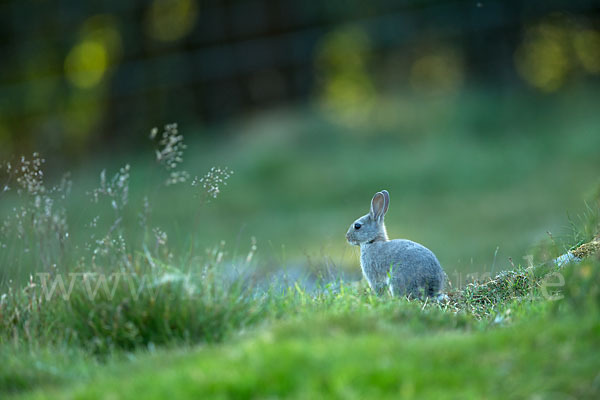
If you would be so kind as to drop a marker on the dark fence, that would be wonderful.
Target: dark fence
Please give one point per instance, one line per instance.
(74, 70)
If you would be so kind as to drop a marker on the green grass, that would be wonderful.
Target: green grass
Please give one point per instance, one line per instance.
(499, 338)
(380, 363)
(354, 346)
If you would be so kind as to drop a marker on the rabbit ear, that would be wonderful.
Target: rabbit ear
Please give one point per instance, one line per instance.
(386, 198)
(377, 206)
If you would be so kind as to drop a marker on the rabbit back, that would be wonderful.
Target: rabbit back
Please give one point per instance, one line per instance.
(403, 267)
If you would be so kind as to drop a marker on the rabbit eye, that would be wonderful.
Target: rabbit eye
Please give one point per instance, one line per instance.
(357, 226)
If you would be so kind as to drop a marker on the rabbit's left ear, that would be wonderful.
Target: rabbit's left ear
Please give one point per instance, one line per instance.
(386, 199)
(378, 206)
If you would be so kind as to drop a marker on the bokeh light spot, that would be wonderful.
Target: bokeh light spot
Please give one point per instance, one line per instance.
(346, 92)
(86, 63)
(169, 20)
(587, 48)
(103, 29)
(542, 58)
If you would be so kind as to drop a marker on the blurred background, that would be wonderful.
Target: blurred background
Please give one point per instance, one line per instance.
(479, 117)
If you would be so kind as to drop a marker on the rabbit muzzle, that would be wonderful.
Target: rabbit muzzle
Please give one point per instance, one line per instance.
(351, 240)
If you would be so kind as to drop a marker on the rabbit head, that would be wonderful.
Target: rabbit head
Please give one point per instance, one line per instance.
(370, 228)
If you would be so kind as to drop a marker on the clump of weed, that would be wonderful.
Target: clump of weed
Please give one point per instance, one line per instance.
(212, 181)
(587, 249)
(481, 298)
(170, 153)
(35, 236)
(581, 240)
(585, 226)
(112, 292)
(586, 232)
(147, 309)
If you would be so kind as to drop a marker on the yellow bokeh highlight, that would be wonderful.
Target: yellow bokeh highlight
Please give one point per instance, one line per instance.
(587, 49)
(346, 91)
(542, 59)
(170, 20)
(344, 49)
(87, 68)
(350, 97)
(99, 46)
(439, 72)
(103, 29)
(86, 63)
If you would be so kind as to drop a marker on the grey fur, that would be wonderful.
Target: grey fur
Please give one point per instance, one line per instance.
(401, 266)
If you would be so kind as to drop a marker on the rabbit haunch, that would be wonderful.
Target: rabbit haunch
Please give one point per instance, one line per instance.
(401, 266)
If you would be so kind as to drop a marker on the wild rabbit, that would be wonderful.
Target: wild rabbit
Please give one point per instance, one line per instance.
(402, 266)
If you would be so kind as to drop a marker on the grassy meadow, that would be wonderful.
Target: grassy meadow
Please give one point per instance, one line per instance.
(241, 285)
